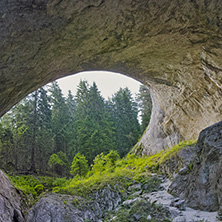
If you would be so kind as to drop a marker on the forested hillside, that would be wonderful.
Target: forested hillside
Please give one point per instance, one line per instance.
(46, 130)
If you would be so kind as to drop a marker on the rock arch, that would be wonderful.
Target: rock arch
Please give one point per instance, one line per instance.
(172, 46)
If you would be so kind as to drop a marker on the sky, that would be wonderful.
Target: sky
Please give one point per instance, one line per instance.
(107, 82)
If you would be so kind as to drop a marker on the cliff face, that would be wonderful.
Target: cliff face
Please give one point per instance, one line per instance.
(173, 47)
(202, 186)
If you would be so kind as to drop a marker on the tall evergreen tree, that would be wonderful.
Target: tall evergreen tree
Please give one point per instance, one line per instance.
(60, 117)
(44, 134)
(94, 126)
(145, 106)
(127, 127)
(34, 122)
(22, 120)
(7, 157)
(71, 134)
(79, 165)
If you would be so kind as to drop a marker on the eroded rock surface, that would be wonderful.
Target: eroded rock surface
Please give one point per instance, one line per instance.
(62, 208)
(180, 162)
(172, 46)
(10, 201)
(202, 187)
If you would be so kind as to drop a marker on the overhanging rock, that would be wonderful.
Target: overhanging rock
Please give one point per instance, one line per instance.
(173, 47)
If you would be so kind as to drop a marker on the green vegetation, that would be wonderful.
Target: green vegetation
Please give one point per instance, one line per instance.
(56, 164)
(107, 170)
(124, 171)
(76, 202)
(83, 143)
(171, 152)
(31, 185)
(153, 162)
(79, 166)
(145, 106)
(44, 132)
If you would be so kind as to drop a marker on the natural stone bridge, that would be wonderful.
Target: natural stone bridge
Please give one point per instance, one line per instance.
(172, 46)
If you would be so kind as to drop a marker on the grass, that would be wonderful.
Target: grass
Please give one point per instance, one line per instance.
(35, 185)
(126, 171)
(168, 153)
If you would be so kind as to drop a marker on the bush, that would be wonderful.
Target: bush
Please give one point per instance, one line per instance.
(79, 165)
(39, 188)
(59, 182)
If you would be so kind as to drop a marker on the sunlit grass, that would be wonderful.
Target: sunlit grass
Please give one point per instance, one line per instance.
(131, 168)
(125, 172)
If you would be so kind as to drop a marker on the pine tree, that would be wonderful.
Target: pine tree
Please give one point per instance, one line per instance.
(23, 123)
(124, 112)
(98, 165)
(34, 130)
(71, 134)
(44, 134)
(56, 163)
(95, 131)
(60, 118)
(7, 148)
(145, 106)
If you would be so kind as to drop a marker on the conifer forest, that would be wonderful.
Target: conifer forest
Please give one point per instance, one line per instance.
(48, 133)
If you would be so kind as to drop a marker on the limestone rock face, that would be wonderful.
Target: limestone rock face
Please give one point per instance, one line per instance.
(10, 201)
(173, 47)
(202, 187)
(62, 208)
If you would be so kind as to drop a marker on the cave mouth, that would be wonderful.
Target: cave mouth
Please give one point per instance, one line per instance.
(53, 123)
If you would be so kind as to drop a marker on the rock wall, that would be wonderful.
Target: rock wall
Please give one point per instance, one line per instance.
(202, 187)
(172, 46)
(10, 201)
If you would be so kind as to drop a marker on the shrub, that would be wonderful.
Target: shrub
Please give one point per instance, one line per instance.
(39, 188)
(59, 182)
(79, 165)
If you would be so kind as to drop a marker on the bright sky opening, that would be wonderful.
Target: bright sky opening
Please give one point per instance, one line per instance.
(108, 83)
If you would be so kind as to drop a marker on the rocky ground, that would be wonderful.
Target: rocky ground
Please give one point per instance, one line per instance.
(177, 207)
(109, 205)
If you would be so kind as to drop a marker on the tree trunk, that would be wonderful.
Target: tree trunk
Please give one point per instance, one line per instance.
(33, 168)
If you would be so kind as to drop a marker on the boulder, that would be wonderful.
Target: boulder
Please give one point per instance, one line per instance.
(10, 201)
(62, 208)
(202, 186)
(56, 208)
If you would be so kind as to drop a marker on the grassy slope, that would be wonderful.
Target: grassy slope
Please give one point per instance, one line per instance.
(126, 170)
